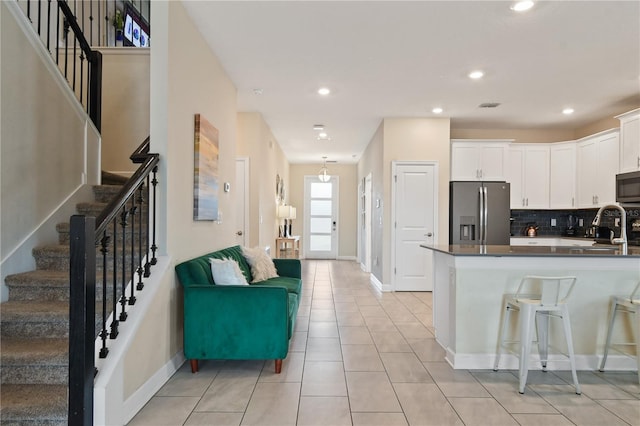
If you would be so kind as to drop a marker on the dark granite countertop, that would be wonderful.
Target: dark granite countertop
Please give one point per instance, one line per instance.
(598, 250)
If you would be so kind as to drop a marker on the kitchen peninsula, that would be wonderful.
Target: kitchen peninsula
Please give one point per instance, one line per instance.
(470, 281)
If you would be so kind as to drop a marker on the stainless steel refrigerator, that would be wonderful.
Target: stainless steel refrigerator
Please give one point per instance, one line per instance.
(479, 213)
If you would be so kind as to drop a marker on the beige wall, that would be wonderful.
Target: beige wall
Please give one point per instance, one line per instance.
(403, 139)
(187, 78)
(347, 202)
(518, 135)
(48, 147)
(371, 163)
(544, 135)
(416, 139)
(266, 161)
(125, 106)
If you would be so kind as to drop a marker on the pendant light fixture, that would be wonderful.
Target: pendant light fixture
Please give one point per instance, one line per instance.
(323, 174)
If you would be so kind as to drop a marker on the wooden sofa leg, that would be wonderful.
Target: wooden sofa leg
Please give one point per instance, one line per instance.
(278, 366)
(194, 365)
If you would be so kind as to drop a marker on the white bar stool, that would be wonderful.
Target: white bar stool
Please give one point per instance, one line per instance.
(537, 299)
(625, 304)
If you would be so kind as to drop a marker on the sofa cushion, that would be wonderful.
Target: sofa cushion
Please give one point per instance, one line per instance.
(262, 267)
(234, 253)
(227, 272)
(293, 285)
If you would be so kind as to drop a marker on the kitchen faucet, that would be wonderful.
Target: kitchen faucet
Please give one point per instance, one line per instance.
(622, 240)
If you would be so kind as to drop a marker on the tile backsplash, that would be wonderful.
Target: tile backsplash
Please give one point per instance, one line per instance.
(520, 219)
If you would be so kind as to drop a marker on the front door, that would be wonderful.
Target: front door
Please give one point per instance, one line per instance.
(414, 214)
(321, 216)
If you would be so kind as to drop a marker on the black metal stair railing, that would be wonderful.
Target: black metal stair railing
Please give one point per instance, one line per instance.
(109, 253)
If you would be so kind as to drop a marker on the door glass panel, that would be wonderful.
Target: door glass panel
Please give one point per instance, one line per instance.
(320, 242)
(320, 208)
(321, 199)
(321, 225)
(320, 190)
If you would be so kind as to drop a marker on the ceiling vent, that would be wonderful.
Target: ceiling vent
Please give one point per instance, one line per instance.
(489, 105)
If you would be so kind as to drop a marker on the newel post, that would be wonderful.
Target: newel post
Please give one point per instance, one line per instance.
(82, 321)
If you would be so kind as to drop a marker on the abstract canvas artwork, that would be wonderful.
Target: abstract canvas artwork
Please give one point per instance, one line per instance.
(205, 182)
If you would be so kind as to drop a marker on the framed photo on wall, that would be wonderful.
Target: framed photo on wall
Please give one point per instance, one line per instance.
(205, 172)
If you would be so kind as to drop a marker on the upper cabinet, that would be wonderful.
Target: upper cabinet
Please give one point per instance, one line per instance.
(598, 158)
(562, 175)
(480, 159)
(629, 141)
(528, 174)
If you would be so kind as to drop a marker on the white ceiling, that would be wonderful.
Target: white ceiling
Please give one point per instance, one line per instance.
(401, 59)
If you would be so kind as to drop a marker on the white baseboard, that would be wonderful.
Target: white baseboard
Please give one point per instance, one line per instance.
(141, 396)
(351, 258)
(511, 362)
(377, 284)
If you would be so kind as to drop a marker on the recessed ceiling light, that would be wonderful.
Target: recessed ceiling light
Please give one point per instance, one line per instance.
(318, 127)
(324, 91)
(322, 135)
(567, 111)
(437, 110)
(476, 74)
(522, 6)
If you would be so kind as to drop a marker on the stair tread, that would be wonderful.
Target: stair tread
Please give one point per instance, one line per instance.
(34, 402)
(58, 249)
(44, 351)
(39, 278)
(35, 311)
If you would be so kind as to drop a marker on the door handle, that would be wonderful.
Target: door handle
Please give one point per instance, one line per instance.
(239, 233)
(428, 234)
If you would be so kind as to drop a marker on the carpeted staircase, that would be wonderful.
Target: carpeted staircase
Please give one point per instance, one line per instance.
(35, 328)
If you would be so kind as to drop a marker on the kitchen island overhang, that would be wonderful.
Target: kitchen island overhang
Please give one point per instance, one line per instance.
(470, 281)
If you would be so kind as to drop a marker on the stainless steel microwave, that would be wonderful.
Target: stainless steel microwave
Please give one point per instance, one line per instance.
(628, 187)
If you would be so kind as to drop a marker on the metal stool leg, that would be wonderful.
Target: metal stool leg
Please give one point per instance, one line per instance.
(503, 333)
(527, 315)
(612, 318)
(542, 326)
(572, 359)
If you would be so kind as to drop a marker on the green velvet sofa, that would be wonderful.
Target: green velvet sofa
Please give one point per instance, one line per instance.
(252, 321)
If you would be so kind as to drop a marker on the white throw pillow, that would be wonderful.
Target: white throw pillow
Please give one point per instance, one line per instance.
(262, 267)
(227, 272)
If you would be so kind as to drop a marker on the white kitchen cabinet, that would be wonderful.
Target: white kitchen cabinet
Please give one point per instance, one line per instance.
(629, 141)
(598, 159)
(478, 159)
(562, 175)
(528, 174)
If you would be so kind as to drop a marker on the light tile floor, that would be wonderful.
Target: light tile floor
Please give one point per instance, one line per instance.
(361, 357)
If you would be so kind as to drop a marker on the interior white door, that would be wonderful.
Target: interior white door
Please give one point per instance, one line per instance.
(321, 215)
(367, 224)
(242, 201)
(415, 224)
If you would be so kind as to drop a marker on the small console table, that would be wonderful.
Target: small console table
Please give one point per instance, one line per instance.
(288, 247)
